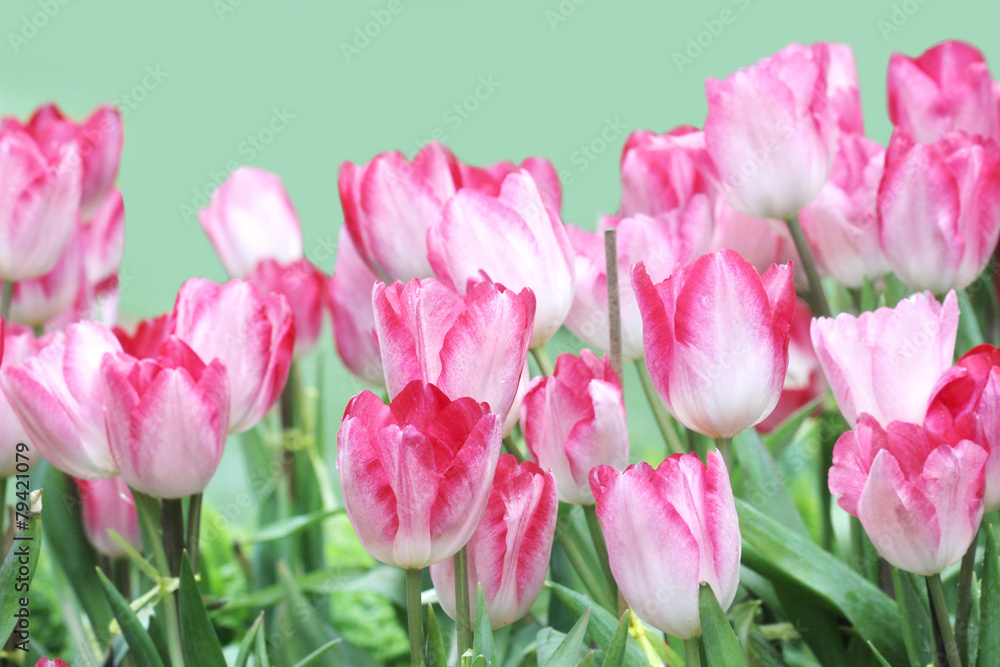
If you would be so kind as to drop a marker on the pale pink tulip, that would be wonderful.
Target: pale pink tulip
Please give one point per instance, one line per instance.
(17, 343)
(349, 297)
(107, 504)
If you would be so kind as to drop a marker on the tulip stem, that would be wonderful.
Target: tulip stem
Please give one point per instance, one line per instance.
(194, 530)
(463, 606)
(6, 297)
(614, 302)
(173, 533)
(414, 616)
(601, 546)
(963, 605)
(542, 359)
(510, 444)
(725, 447)
(944, 620)
(674, 445)
(576, 559)
(817, 298)
(692, 652)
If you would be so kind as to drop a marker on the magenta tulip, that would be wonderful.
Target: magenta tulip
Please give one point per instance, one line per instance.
(304, 288)
(349, 297)
(716, 339)
(509, 552)
(416, 474)
(144, 341)
(919, 496)
(574, 420)
(686, 505)
(665, 172)
(887, 362)
(107, 504)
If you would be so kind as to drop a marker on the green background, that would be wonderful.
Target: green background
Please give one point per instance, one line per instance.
(562, 71)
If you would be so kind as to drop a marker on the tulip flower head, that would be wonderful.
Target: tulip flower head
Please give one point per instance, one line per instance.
(107, 504)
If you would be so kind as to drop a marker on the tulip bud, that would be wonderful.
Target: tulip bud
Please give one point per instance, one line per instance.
(918, 495)
(145, 340)
(574, 420)
(251, 219)
(509, 552)
(349, 297)
(416, 474)
(474, 345)
(107, 504)
(939, 209)
(716, 339)
(681, 503)
(304, 287)
(513, 239)
(58, 395)
(886, 362)
(252, 335)
(167, 419)
(663, 172)
(947, 88)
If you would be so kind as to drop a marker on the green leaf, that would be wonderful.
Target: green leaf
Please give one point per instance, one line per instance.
(764, 488)
(482, 644)
(819, 626)
(974, 627)
(437, 653)
(742, 617)
(969, 332)
(201, 644)
(721, 645)
(568, 652)
(14, 586)
(614, 654)
(288, 527)
(315, 655)
(882, 661)
(915, 612)
(783, 555)
(246, 646)
(602, 626)
(260, 650)
(781, 437)
(989, 605)
(869, 300)
(140, 645)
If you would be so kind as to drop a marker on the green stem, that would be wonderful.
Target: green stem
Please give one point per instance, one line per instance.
(963, 606)
(510, 444)
(414, 616)
(825, 462)
(692, 652)
(6, 296)
(593, 585)
(542, 359)
(817, 298)
(147, 509)
(944, 621)
(597, 535)
(725, 447)
(3, 506)
(173, 532)
(194, 530)
(463, 608)
(674, 445)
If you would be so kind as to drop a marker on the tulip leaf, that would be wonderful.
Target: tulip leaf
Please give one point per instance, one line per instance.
(885, 663)
(437, 653)
(567, 654)
(969, 332)
(869, 300)
(781, 437)
(784, 556)
(742, 617)
(483, 644)
(915, 612)
(288, 527)
(317, 654)
(602, 626)
(819, 625)
(972, 635)
(201, 644)
(260, 650)
(246, 646)
(989, 634)
(764, 488)
(18, 569)
(721, 645)
(614, 654)
(140, 645)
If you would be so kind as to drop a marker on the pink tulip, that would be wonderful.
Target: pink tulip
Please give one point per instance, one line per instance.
(59, 397)
(842, 88)
(17, 343)
(887, 362)
(772, 131)
(661, 243)
(251, 334)
(663, 172)
(39, 203)
(45, 662)
(304, 287)
(514, 239)
(918, 495)
(37, 301)
(760, 241)
(389, 203)
(939, 209)
(972, 387)
(104, 243)
(251, 219)
(349, 297)
(947, 88)
(841, 223)
(167, 419)
(716, 339)
(804, 381)
(416, 474)
(574, 420)
(473, 345)
(686, 505)
(509, 552)
(145, 340)
(107, 504)
(98, 139)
